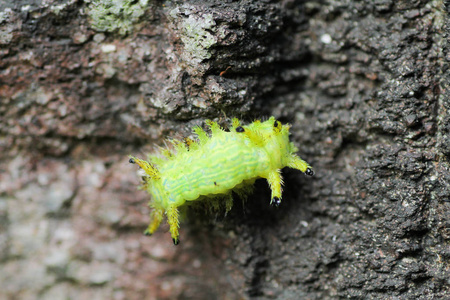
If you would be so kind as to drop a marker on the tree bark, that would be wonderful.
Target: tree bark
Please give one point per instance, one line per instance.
(83, 84)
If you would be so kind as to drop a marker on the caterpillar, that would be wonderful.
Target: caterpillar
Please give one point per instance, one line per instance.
(215, 165)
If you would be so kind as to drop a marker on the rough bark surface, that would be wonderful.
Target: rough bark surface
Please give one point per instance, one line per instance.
(364, 84)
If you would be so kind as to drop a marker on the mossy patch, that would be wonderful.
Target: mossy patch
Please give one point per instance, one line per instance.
(116, 15)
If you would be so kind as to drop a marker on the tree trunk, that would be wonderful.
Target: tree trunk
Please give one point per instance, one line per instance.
(83, 84)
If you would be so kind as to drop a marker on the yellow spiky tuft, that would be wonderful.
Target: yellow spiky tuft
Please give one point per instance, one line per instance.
(146, 166)
(201, 135)
(214, 126)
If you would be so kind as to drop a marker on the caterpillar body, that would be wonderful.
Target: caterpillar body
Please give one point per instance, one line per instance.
(215, 165)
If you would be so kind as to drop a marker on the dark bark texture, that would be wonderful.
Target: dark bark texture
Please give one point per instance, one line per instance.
(363, 83)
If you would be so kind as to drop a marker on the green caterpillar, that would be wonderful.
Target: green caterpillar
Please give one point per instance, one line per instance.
(216, 165)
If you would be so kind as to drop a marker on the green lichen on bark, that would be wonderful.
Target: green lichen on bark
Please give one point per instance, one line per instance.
(116, 15)
(197, 35)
